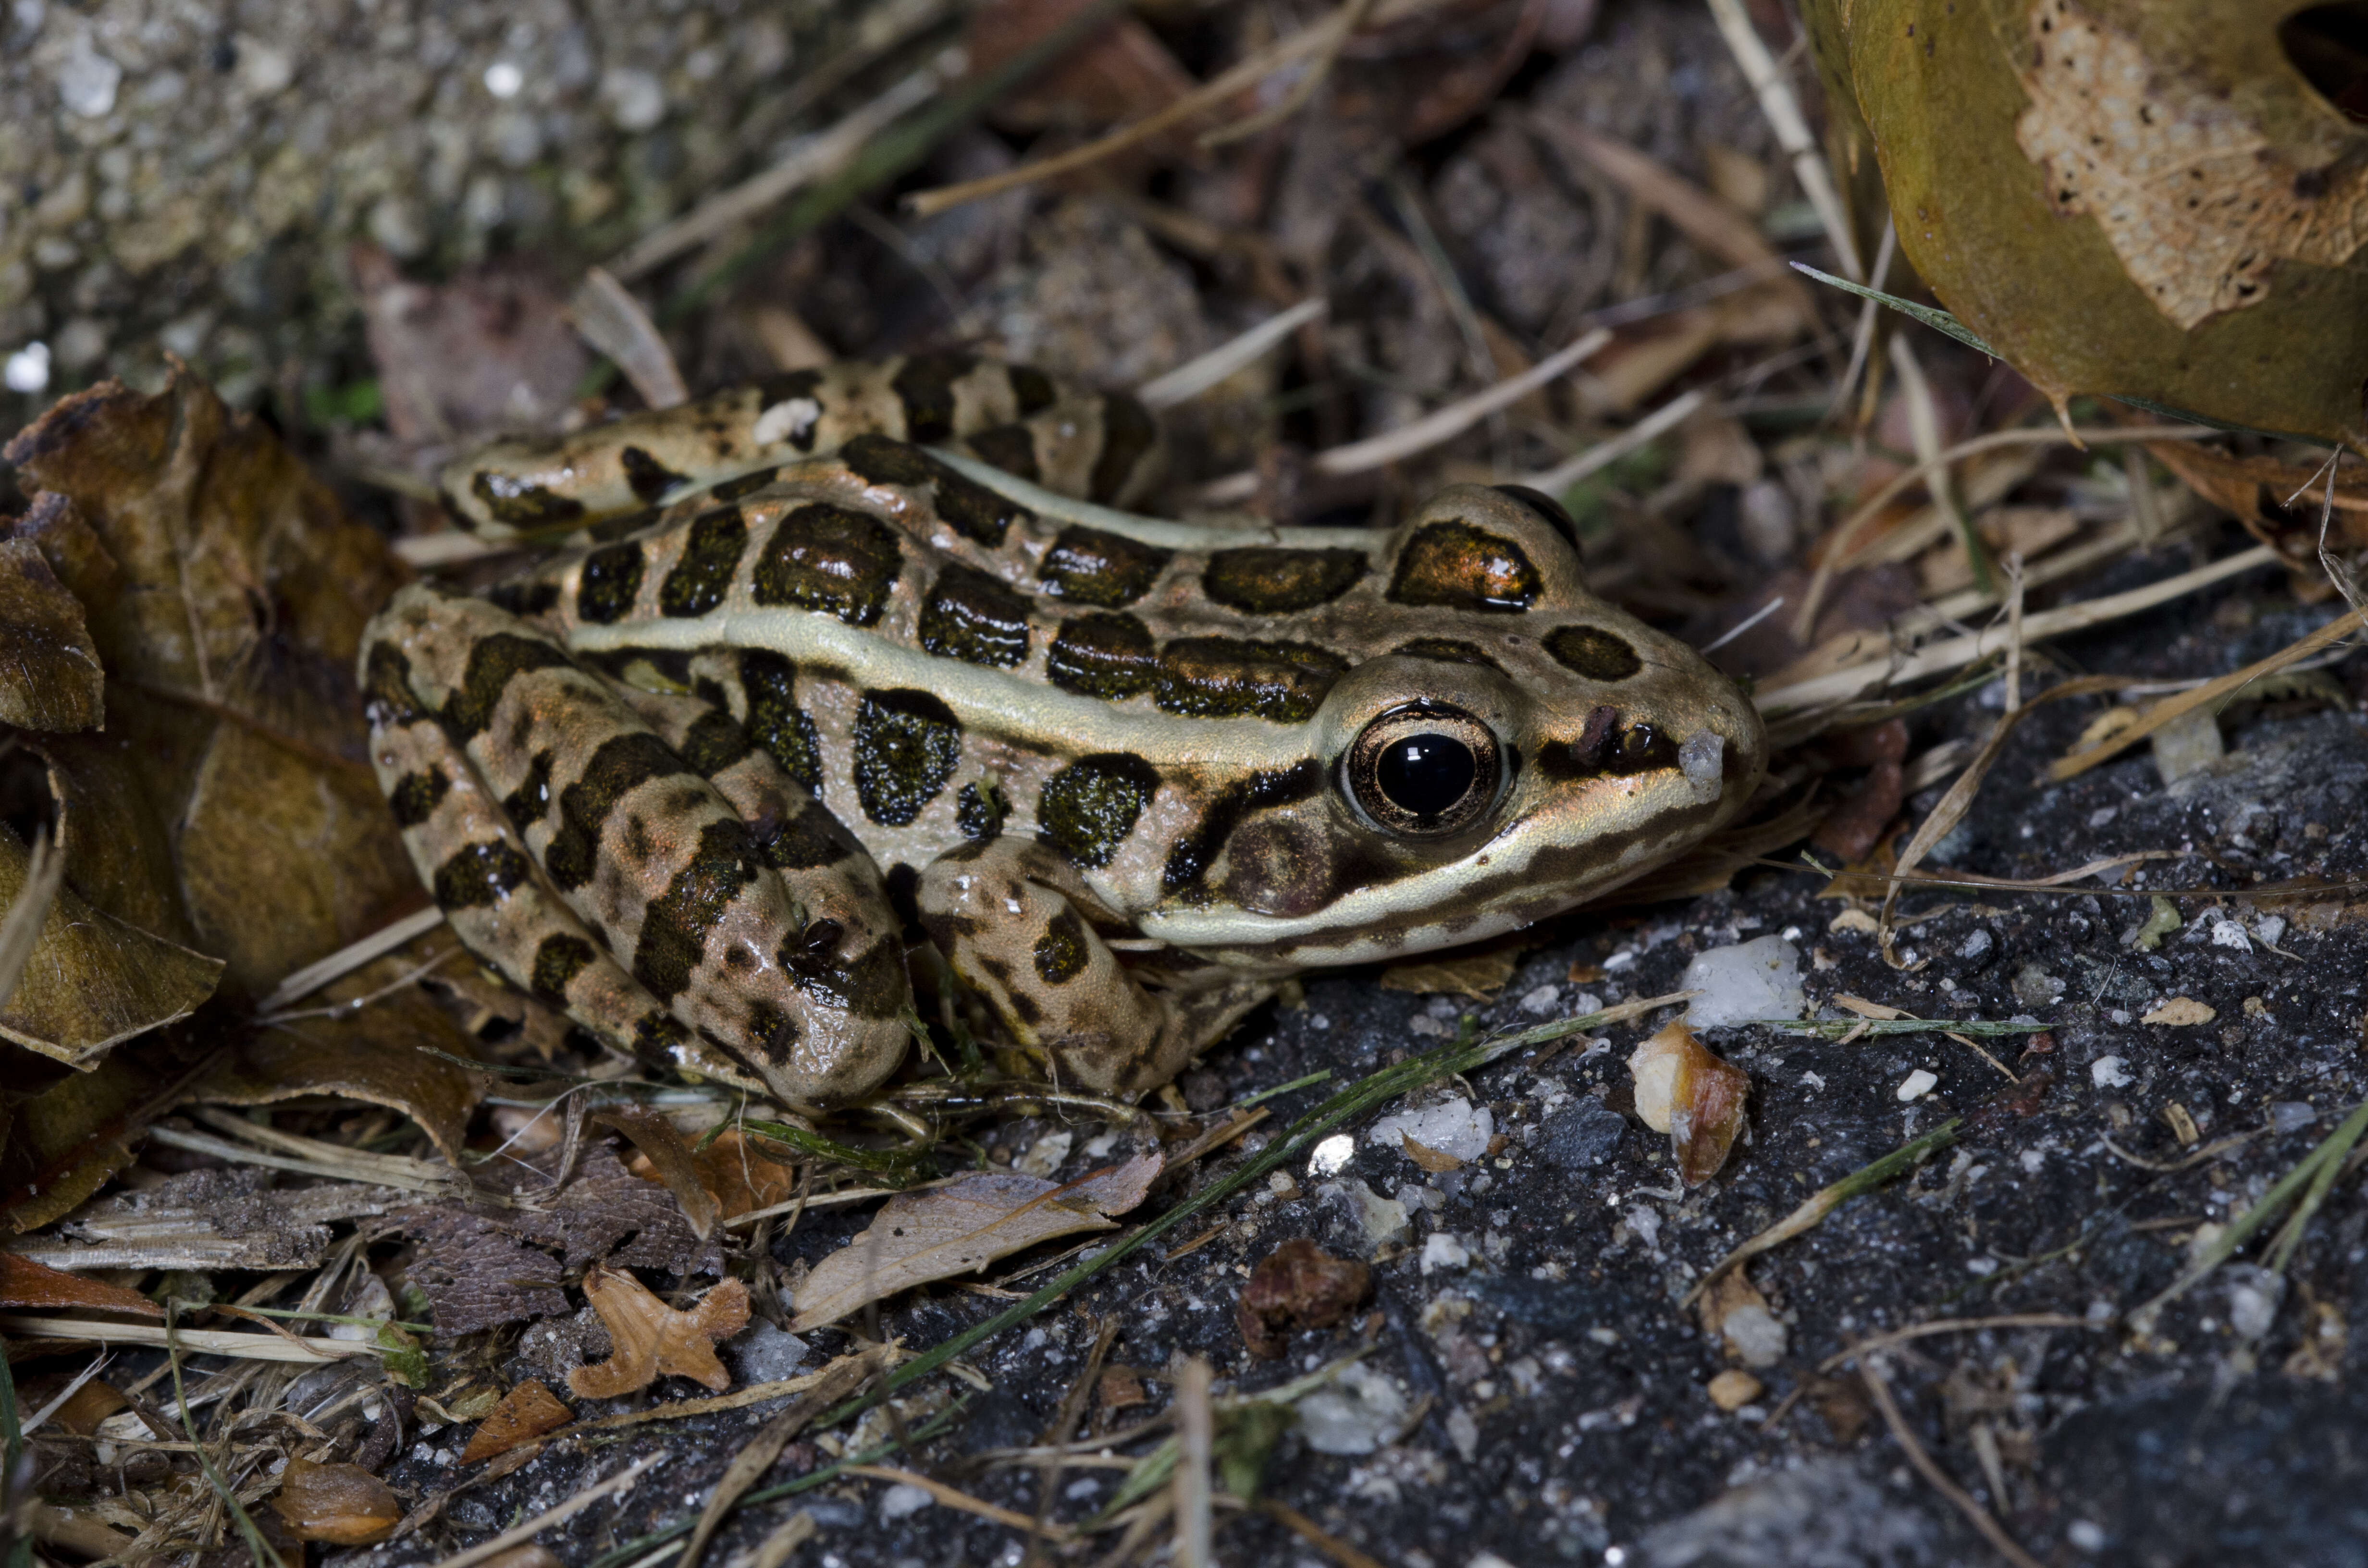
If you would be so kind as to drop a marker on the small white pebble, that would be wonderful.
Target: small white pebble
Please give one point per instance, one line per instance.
(2109, 1072)
(504, 79)
(1540, 1002)
(1916, 1085)
(903, 1499)
(2086, 1534)
(1442, 1250)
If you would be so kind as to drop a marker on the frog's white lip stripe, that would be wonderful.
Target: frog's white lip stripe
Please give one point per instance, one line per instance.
(986, 701)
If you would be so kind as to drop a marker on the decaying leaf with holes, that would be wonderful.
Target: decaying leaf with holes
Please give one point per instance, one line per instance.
(525, 1413)
(1692, 1096)
(654, 1340)
(961, 1227)
(2164, 200)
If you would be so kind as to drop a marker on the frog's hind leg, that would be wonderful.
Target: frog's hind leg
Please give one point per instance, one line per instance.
(471, 856)
(1020, 926)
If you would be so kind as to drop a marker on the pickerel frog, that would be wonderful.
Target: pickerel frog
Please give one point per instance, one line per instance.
(872, 644)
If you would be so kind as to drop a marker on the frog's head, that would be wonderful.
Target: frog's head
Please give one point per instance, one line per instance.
(1519, 748)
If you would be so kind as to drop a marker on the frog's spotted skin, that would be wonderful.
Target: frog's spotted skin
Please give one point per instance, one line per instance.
(1019, 419)
(1131, 774)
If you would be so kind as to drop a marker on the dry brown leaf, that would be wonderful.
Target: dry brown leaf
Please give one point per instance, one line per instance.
(741, 1179)
(1120, 73)
(1429, 1158)
(341, 1503)
(63, 1142)
(961, 1227)
(25, 1283)
(50, 674)
(1120, 1389)
(2181, 1012)
(1477, 972)
(654, 1340)
(668, 1161)
(1866, 1009)
(526, 1413)
(1692, 1096)
(1298, 1285)
(378, 1055)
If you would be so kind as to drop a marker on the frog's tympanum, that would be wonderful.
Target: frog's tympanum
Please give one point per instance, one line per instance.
(841, 649)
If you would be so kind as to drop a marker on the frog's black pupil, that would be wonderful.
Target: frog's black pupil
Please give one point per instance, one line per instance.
(1425, 774)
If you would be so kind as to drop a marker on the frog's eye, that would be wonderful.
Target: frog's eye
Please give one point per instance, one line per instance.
(1423, 770)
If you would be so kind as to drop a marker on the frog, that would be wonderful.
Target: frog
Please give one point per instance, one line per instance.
(817, 670)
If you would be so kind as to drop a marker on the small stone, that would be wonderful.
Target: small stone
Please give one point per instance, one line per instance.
(636, 100)
(1758, 979)
(2035, 987)
(1540, 1002)
(904, 1500)
(1756, 1335)
(1442, 1250)
(1452, 1127)
(2229, 934)
(2109, 1072)
(1356, 1414)
(1734, 1389)
(1376, 1221)
(80, 344)
(87, 80)
(1465, 1433)
(2086, 1534)
(1977, 945)
(1916, 1085)
(2292, 1115)
(766, 1354)
(1580, 1136)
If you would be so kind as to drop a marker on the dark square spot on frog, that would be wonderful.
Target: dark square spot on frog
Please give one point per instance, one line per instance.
(711, 553)
(1087, 809)
(493, 662)
(1594, 652)
(1011, 448)
(479, 876)
(924, 384)
(611, 583)
(1090, 566)
(1227, 677)
(414, 796)
(649, 478)
(639, 845)
(1061, 951)
(970, 617)
(832, 559)
(906, 745)
(1454, 565)
(1105, 654)
(970, 509)
(1281, 582)
(557, 962)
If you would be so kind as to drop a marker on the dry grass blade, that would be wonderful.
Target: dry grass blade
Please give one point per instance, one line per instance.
(1650, 428)
(1307, 42)
(1956, 653)
(20, 930)
(607, 317)
(380, 1170)
(519, 1535)
(782, 1545)
(1711, 223)
(838, 1380)
(1316, 1536)
(1342, 22)
(953, 1497)
(275, 1346)
(1196, 1427)
(1959, 1325)
(2172, 709)
(383, 940)
(1778, 102)
(1959, 1498)
(809, 159)
(1194, 376)
(1421, 434)
(1825, 1199)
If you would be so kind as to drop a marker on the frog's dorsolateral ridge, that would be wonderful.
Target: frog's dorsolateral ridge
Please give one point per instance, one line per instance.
(688, 777)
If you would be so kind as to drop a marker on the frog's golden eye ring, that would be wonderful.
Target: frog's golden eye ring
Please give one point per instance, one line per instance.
(1423, 770)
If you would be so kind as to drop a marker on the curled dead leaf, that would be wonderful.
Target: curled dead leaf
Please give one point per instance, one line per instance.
(665, 1157)
(374, 1056)
(1429, 1159)
(1692, 1096)
(526, 1413)
(50, 674)
(341, 1503)
(25, 1283)
(940, 1232)
(654, 1340)
(730, 1169)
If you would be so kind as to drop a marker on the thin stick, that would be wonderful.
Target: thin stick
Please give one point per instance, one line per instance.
(1961, 1500)
(1957, 652)
(1563, 475)
(1792, 128)
(1863, 335)
(1307, 41)
(953, 1498)
(607, 316)
(519, 1534)
(1342, 22)
(2175, 708)
(355, 954)
(810, 158)
(1196, 375)
(1196, 1432)
(276, 1346)
(1958, 1326)
(1316, 1536)
(1440, 424)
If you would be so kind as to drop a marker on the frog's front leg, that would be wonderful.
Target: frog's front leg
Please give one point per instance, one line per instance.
(1020, 926)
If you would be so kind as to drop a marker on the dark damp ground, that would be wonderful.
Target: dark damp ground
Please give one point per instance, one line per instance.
(1536, 1389)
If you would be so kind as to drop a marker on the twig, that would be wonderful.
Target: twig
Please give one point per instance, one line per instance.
(1961, 1500)
(1957, 652)
(1297, 46)
(355, 954)
(954, 1498)
(275, 1346)
(2175, 708)
(1924, 430)
(1308, 1530)
(1784, 111)
(1958, 1326)
(1196, 375)
(1196, 1436)
(1342, 23)
(812, 158)
(608, 318)
(519, 1534)
(1602, 455)
(1420, 434)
